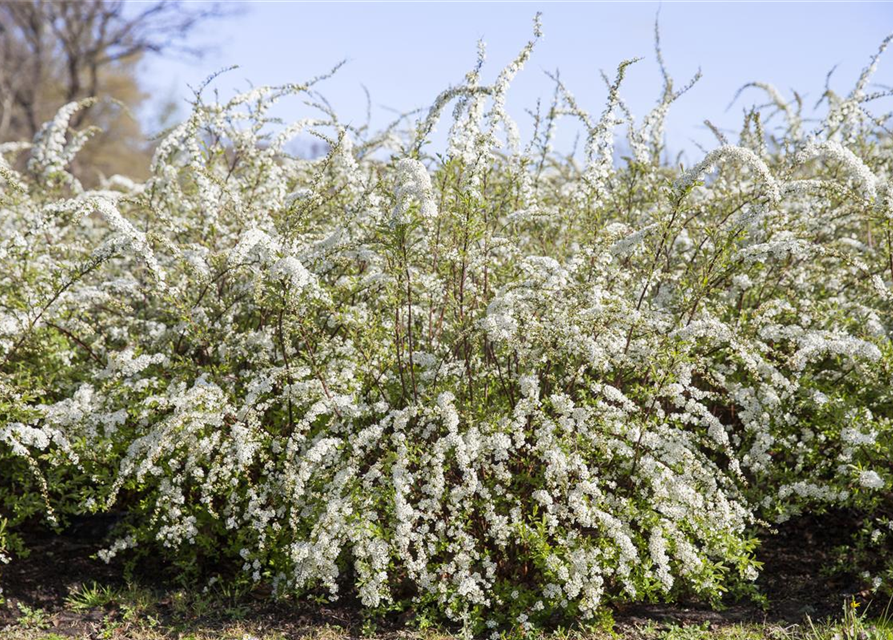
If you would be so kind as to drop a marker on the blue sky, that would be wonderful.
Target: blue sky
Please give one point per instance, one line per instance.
(406, 53)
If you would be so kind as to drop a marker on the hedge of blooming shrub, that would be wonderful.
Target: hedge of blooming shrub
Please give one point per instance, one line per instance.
(497, 381)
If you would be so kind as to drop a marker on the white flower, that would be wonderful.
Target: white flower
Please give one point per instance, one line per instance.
(292, 271)
(871, 480)
(413, 186)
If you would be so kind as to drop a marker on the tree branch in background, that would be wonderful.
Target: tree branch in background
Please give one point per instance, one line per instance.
(52, 53)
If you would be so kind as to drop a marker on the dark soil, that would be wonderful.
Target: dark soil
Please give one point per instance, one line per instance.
(793, 581)
(796, 577)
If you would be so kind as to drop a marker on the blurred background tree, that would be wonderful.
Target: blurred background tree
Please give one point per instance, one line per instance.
(54, 52)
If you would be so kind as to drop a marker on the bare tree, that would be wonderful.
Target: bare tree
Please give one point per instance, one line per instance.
(55, 52)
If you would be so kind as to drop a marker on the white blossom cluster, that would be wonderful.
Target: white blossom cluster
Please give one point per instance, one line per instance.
(493, 380)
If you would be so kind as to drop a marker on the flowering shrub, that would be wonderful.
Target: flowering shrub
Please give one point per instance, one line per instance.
(498, 381)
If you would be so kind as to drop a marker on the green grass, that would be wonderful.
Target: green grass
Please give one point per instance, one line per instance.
(248, 630)
(135, 613)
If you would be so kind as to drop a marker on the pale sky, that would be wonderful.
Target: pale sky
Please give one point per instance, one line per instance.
(406, 53)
